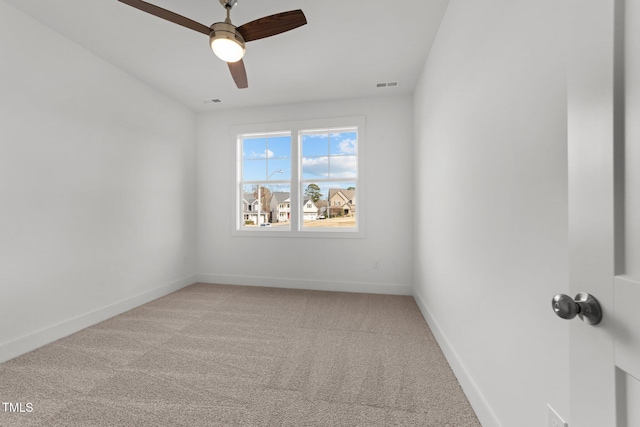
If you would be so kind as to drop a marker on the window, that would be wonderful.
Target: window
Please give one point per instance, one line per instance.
(266, 176)
(303, 179)
(329, 169)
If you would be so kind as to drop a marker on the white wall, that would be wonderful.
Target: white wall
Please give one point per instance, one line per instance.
(491, 208)
(332, 264)
(97, 188)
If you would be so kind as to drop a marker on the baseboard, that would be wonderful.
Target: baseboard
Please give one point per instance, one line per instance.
(317, 285)
(471, 390)
(30, 342)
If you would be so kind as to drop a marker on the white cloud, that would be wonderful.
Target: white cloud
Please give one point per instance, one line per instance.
(341, 166)
(344, 167)
(348, 146)
(316, 166)
(266, 155)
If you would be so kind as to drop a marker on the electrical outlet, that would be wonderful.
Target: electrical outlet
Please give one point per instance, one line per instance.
(376, 264)
(553, 419)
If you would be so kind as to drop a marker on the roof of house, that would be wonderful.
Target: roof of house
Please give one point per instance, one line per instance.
(280, 196)
(347, 194)
(249, 198)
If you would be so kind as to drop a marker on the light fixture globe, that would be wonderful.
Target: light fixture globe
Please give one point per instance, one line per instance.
(226, 42)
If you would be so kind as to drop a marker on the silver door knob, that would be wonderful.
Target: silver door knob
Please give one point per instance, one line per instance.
(585, 306)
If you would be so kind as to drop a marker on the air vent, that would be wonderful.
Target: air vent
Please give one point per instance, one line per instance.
(388, 84)
(211, 101)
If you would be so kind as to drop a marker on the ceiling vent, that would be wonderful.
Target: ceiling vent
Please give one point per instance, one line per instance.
(211, 101)
(388, 84)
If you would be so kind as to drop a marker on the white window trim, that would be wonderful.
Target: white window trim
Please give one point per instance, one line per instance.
(296, 127)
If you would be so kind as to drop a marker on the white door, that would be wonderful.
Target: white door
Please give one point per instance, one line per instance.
(604, 209)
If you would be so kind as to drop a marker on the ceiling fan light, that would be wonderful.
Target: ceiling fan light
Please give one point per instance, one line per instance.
(226, 43)
(227, 50)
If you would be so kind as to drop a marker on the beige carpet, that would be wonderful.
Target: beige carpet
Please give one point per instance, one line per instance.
(213, 355)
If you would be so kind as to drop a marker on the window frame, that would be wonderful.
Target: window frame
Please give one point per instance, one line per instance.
(296, 129)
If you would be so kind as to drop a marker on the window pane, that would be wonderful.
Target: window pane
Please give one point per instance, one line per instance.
(266, 158)
(329, 205)
(272, 211)
(342, 161)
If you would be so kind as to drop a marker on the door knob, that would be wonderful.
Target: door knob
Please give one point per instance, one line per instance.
(585, 306)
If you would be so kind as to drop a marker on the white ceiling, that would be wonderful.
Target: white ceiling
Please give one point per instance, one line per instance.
(346, 48)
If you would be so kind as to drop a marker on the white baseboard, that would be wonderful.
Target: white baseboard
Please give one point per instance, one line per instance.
(316, 285)
(30, 342)
(479, 404)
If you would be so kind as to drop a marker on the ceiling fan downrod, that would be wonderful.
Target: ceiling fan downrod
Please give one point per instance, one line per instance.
(228, 5)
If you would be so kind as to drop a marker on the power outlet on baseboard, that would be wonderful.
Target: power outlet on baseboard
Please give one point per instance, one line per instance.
(553, 419)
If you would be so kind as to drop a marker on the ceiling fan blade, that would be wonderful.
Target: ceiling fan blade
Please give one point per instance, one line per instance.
(239, 74)
(168, 15)
(272, 25)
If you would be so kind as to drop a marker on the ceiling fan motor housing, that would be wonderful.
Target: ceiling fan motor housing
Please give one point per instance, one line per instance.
(225, 36)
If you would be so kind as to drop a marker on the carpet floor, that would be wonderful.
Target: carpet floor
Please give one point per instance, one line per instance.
(214, 355)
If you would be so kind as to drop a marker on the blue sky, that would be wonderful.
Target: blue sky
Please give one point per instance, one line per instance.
(324, 156)
(263, 156)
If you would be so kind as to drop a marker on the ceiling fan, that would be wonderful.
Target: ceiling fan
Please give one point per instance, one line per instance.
(228, 41)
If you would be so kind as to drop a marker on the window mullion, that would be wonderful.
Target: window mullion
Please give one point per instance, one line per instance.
(295, 180)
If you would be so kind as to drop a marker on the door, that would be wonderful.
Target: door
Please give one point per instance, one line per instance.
(604, 209)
